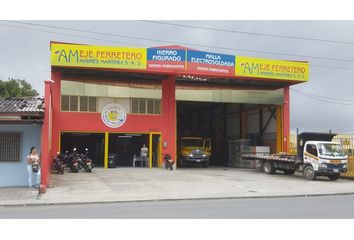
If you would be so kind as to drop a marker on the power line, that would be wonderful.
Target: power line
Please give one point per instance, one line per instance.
(23, 70)
(323, 100)
(105, 40)
(322, 66)
(248, 33)
(112, 41)
(68, 34)
(182, 43)
(324, 97)
(17, 66)
(317, 97)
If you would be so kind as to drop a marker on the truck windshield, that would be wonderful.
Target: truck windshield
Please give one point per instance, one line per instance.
(332, 150)
(192, 143)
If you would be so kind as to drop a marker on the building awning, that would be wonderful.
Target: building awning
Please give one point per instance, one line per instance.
(185, 81)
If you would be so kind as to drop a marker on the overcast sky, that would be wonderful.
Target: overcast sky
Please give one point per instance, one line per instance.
(24, 53)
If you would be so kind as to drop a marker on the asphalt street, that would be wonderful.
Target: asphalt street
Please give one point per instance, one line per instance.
(294, 208)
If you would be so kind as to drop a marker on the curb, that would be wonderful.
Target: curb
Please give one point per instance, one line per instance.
(179, 199)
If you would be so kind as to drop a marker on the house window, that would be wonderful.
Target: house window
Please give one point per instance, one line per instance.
(92, 104)
(145, 106)
(142, 105)
(83, 104)
(65, 103)
(73, 103)
(10, 147)
(78, 104)
(135, 105)
(150, 106)
(157, 106)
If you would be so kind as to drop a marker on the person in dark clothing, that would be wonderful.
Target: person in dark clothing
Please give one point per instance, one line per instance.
(168, 161)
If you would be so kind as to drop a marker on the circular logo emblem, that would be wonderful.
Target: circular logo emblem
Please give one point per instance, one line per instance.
(113, 115)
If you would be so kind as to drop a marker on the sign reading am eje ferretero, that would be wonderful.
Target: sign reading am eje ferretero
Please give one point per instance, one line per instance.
(73, 55)
(272, 69)
(97, 56)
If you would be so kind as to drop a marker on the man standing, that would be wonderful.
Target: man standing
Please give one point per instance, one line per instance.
(144, 153)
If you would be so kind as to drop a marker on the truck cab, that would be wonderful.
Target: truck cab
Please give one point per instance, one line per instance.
(321, 158)
(195, 150)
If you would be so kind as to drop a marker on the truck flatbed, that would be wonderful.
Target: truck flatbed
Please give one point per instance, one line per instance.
(270, 163)
(274, 157)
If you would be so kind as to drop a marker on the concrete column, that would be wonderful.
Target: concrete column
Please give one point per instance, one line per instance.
(45, 136)
(286, 120)
(279, 125)
(55, 97)
(169, 116)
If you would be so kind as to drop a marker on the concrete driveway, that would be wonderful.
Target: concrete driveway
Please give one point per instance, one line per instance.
(134, 184)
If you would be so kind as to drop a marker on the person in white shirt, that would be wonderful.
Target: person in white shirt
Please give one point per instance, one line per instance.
(33, 168)
(143, 154)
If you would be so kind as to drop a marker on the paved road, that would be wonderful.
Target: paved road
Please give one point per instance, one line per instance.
(310, 207)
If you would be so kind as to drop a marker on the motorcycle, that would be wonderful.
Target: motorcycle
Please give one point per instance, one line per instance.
(66, 158)
(58, 164)
(86, 161)
(75, 163)
(168, 161)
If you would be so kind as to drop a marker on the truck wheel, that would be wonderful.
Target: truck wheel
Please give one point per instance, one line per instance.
(205, 164)
(259, 166)
(268, 168)
(334, 177)
(289, 171)
(309, 173)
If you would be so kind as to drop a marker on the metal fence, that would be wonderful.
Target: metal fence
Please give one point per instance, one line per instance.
(347, 140)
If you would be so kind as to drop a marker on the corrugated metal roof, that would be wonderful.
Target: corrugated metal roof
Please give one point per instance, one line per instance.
(22, 105)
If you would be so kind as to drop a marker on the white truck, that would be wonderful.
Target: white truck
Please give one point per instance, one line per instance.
(316, 156)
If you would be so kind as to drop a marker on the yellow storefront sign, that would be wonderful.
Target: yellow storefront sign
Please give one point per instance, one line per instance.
(72, 55)
(272, 69)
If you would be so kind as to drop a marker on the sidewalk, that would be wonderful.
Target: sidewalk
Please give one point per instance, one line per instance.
(18, 196)
(141, 184)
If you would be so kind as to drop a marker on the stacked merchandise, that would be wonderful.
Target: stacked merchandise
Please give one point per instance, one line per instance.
(237, 148)
(255, 150)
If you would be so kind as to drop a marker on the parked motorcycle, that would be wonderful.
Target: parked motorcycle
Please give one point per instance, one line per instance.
(86, 161)
(66, 158)
(168, 161)
(75, 163)
(58, 164)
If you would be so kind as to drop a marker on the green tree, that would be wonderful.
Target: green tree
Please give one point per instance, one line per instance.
(16, 88)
